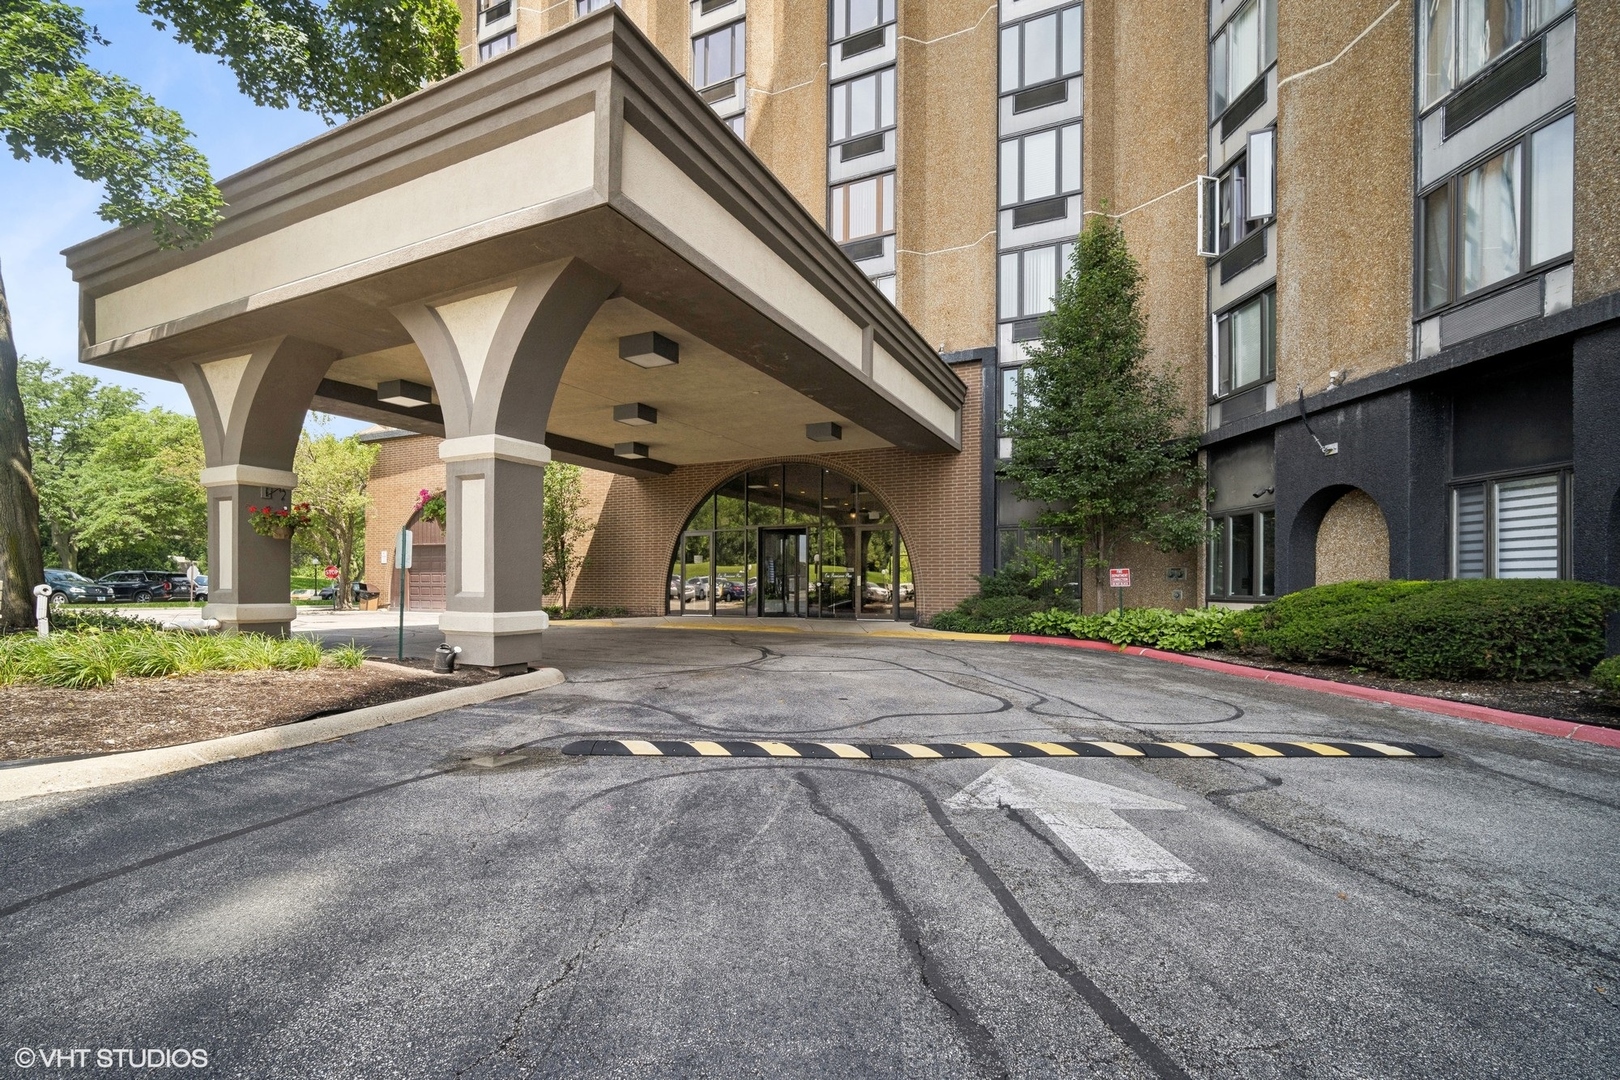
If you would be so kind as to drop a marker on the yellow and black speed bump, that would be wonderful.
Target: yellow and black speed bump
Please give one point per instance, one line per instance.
(768, 748)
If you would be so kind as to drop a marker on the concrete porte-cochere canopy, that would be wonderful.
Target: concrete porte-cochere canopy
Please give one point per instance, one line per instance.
(504, 259)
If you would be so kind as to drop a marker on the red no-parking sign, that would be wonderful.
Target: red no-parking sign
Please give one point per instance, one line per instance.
(1119, 578)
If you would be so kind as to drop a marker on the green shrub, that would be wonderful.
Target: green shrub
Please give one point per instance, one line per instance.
(74, 619)
(999, 607)
(97, 657)
(1492, 629)
(1606, 675)
(1198, 628)
(562, 614)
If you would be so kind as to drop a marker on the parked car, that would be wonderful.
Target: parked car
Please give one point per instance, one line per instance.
(138, 585)
(725, 589)
(70, 588)
(358, 591)
(874, 592)
(183, 589)
(697, 588)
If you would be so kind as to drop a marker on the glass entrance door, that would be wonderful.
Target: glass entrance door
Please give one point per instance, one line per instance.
(782, 554)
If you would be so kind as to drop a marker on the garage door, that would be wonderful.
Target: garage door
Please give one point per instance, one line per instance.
(425, 589)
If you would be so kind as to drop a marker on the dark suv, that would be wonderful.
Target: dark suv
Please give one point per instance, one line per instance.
(139, 585)
(70, 588)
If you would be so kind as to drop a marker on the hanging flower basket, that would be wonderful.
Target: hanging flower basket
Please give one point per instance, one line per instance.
(279, 523)
(431, 506)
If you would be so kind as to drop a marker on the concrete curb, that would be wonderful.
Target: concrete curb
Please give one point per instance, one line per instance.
(1541, 725)
(27, 781)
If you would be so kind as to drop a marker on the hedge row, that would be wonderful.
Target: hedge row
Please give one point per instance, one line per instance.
(1494, 629)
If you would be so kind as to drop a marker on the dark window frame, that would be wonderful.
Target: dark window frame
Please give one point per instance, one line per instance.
(1424, 110)
(1266, 66)
(1020, 137)
(1221, 533)
(832, 98)
(833, 37)
(706, 36)
(1021, 26)
(1453, 184)
(1565, 474)
(1268, 342)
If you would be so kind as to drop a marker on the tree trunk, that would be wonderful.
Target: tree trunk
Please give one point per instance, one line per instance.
(21, 564)
(67, 552)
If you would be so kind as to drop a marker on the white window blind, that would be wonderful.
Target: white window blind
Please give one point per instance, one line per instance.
(1468, 514)
(1526, 528)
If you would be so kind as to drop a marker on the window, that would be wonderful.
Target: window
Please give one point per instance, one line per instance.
(862, 106)
(1242, 51)
(863, 208)
(1504, 217)
(1245, 345)
(490, 11)
(1041, 165)
(1232, 205)
(1041, 50)
(1242, 555)
(718, 56)
(1457, 39)
(496, 45)
(853, 16)
(1508, 528)
(585, 7)
(1029, 279)
(885, 285)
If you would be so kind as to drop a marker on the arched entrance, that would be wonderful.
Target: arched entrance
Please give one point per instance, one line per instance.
(792, 540)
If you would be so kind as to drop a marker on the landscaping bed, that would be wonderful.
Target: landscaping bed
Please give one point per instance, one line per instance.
(1528, 646)
(141, 713)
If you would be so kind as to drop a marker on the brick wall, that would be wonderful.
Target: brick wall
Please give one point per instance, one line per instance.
(934, 499)
(405, 466)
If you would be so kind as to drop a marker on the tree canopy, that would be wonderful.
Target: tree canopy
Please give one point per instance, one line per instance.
(336, 58)
(1097, 435)
(332, 478)
(564, 524)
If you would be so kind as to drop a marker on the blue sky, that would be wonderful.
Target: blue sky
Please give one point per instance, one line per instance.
(46, 207)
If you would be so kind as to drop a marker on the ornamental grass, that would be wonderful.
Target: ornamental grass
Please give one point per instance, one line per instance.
(86, 658)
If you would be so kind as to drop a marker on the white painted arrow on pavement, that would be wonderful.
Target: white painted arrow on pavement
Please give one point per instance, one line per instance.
(1080, 813)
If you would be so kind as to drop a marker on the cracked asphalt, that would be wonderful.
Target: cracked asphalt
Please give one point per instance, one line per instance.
(381, 906)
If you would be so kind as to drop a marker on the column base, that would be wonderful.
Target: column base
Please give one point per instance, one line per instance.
(274, 620)
(506, 640)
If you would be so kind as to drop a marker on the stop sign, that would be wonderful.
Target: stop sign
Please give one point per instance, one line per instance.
(331, 573)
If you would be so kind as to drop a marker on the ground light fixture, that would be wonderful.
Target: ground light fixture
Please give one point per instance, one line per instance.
(826, 431)
(404, 392)
(631, 450)
(635, 413)
(649, 350)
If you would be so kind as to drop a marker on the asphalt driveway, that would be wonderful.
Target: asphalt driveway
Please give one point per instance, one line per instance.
(453, 897)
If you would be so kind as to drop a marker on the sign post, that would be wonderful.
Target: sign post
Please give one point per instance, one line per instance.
(1119, 578)
(402, 563)
(331, 575)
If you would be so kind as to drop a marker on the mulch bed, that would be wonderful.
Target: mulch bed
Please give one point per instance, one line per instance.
(1575, 699)
(138, 714)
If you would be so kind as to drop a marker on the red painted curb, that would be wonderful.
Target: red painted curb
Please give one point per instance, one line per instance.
(1541, 725)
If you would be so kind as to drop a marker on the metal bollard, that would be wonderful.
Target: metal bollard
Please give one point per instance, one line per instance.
(42, 609)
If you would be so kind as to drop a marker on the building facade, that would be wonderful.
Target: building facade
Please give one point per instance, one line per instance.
(1379, 244)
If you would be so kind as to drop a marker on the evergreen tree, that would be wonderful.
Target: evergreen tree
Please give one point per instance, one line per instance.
(1097, 435)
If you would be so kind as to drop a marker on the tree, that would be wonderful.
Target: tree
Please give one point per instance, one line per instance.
(138, 498)
(564, 526)
(1098, 436)
(332, 478)
(65, 414)
(333, 57)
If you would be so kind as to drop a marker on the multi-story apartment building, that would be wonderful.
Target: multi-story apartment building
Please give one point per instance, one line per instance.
(1380, 242)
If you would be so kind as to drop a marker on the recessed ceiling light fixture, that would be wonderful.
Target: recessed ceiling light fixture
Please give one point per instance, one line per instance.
(635, 413)
(403, 392)
(824, 432)
(631, 450)
(649, 350)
